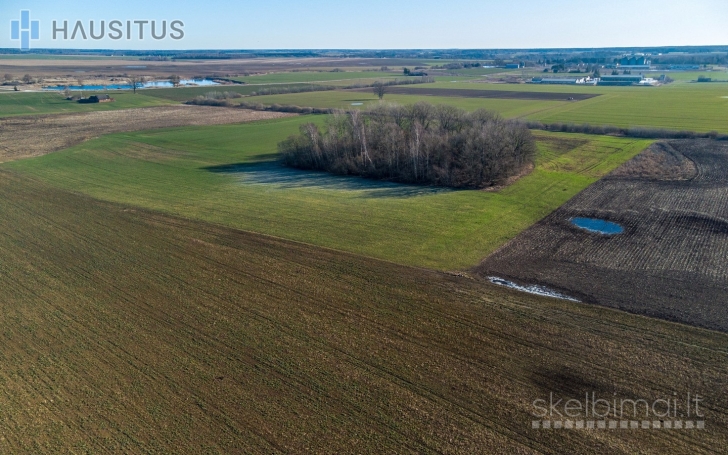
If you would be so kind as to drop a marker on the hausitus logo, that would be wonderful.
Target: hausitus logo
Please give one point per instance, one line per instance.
(117, 29)
(25, 30)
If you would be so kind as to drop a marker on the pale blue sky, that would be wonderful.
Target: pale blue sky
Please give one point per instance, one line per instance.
(379, 24)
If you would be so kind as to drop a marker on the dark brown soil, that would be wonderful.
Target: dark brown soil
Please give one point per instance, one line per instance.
(672, 260)
(129, 331)
(500, 94)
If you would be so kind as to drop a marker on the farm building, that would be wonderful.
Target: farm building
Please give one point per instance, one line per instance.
(96, 99)
(103, 98)
(513, 65)
(562, 80)
(625, 79)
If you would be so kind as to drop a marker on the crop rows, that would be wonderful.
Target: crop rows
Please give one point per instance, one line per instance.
(674, 245)
(126, 330)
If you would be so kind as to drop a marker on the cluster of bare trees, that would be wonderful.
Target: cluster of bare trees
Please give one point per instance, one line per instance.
(420, 143)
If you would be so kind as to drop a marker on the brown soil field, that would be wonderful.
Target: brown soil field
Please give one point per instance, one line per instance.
(501, 94)
(186, 68)
(128, 331)
(23, 137)
(672, 260)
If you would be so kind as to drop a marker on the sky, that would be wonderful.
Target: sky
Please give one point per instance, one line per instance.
(378, 24)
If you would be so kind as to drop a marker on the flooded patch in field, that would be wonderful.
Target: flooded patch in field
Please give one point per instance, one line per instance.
(280, 177)
(597, 226)
(357, 104)
(532, 289)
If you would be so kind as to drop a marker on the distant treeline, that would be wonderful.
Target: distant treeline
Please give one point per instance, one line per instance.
(420, 143)
(215, 99)
(635, 132)
(292, 89)
(289, 108)
(458, 65)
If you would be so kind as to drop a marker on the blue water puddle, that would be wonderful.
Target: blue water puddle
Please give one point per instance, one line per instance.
(531, 289)
(597, 226)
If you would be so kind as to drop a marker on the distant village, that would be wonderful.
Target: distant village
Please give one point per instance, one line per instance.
(621, 74)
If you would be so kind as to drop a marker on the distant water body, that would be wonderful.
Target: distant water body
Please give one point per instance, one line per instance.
(151, 84)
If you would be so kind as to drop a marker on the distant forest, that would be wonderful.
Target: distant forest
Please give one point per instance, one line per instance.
(420, 143)
(659, 55)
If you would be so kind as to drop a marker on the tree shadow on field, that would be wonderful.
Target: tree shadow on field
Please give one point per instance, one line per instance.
(274, 174)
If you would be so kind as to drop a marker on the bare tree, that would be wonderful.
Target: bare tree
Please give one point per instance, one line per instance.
(136, 81)
(27, 78)
(379, 89)
(67, 92)
(175, 80)
(8, 77)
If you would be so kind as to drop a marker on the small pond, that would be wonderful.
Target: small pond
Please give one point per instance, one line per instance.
(598, 226)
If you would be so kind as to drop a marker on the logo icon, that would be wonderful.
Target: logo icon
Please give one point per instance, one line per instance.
(24, 30)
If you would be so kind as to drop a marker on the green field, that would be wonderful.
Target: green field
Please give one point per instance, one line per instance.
(475, 72)
(20, 103)
(683, 106)
(315, 76)
(688, 76)
(694, 107)
(169, 171)
(347, 100)
(187, 93)
(182, 94)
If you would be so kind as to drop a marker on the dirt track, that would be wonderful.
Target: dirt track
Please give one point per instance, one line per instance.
(24, 137)
(499, 94)
(672, 260)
